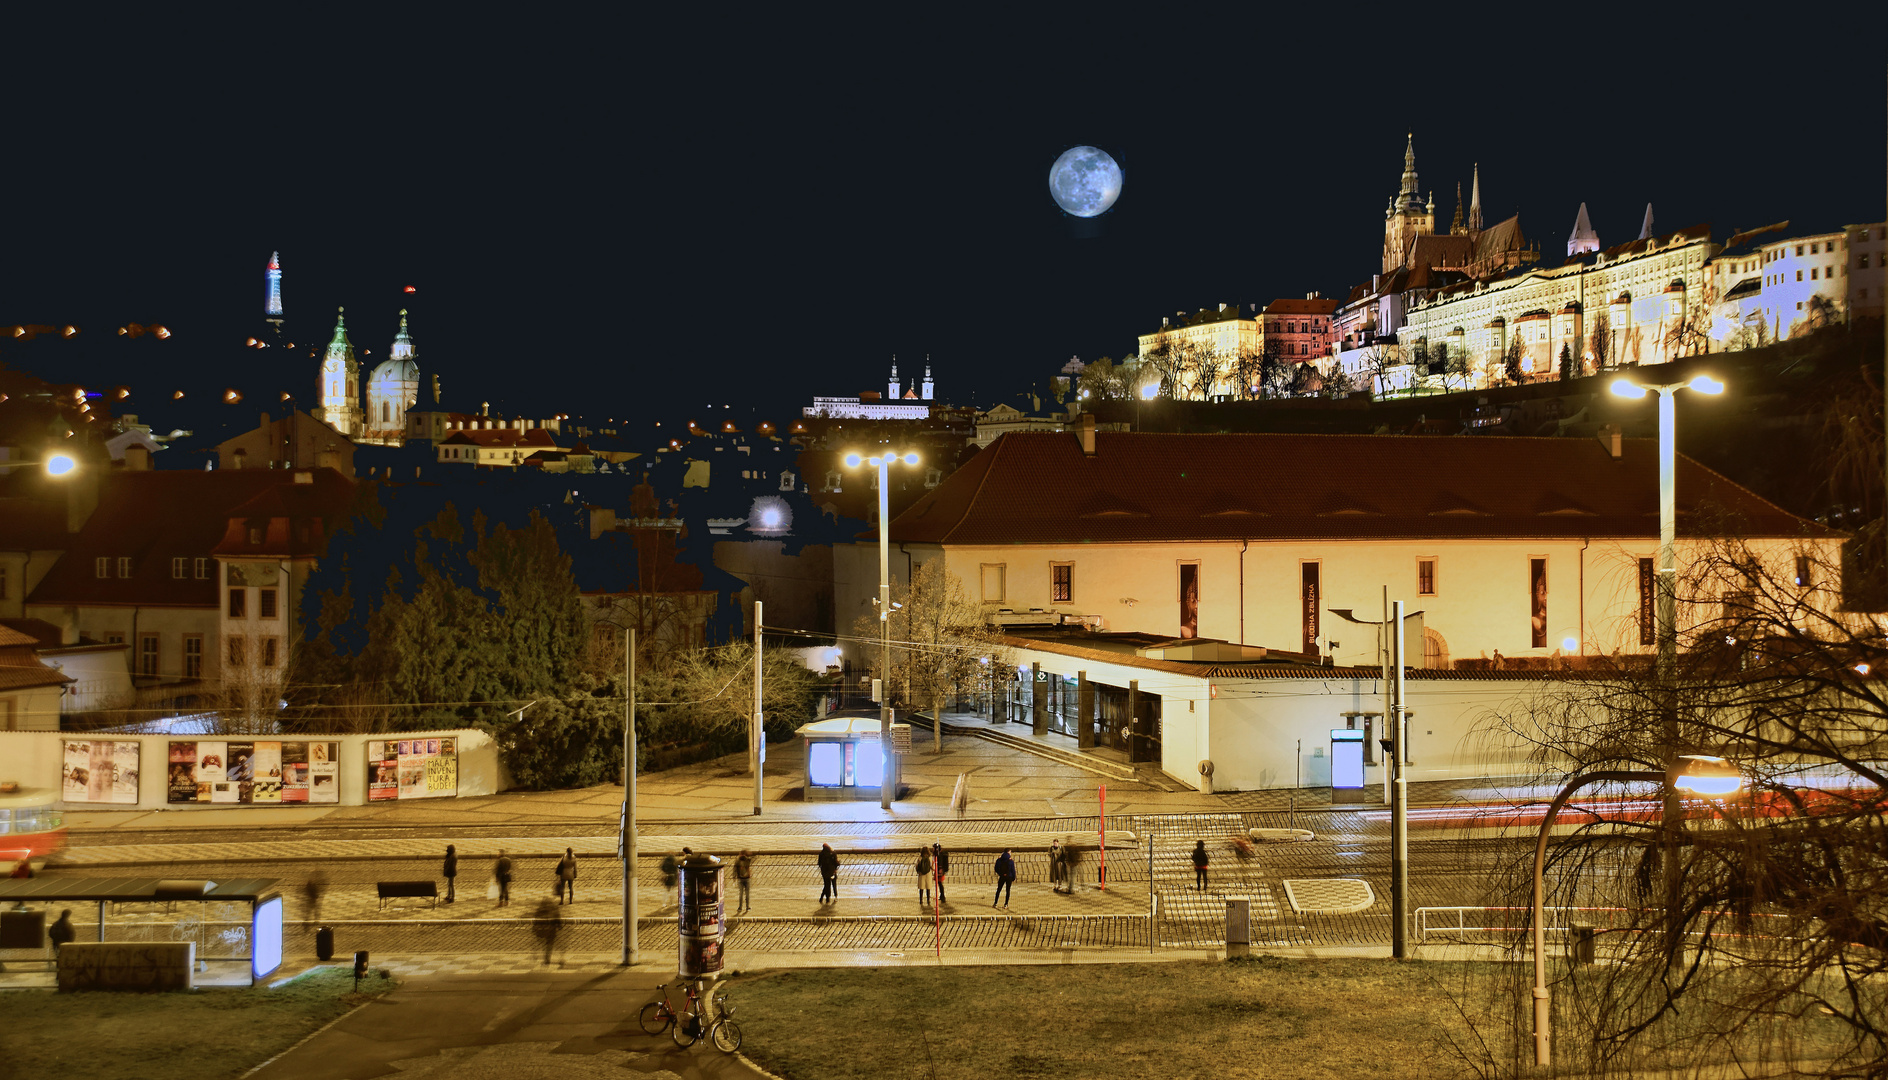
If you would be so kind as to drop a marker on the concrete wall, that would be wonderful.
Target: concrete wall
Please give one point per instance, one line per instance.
(35, 759)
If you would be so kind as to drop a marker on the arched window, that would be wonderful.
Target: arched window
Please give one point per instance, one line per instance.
(1435, 650)
(386, 412)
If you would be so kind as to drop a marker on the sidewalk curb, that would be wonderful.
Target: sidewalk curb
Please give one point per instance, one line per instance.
(305, 1039)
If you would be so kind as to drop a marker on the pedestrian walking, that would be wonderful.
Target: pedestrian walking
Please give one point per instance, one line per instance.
(1058, 869)
(940, 869)
(451, 871)
(567, 877)
(1005, 874)
(312, 890)
(743, 875)
(1200, 860)
(501, 876)
(924, 876)
(829, 873)
(60, 932)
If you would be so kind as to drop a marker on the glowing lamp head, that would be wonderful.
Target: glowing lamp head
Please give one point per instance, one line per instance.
(852, 461)
(911, 459)
(60, 464)
(1627, 388)
(1570, 644)
(1148, 392)
(1705, 384)
(770, 518)
(1700, 774)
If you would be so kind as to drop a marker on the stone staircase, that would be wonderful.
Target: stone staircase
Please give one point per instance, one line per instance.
(1112, 770)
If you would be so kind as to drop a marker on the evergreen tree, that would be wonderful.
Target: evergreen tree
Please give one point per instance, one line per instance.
(1566, 363)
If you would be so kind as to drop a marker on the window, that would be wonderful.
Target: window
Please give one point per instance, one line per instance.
(255, 534)
(1799, 249)
(266, 608)
(1799, 275)
(1062, 576)
(1812, 273)
(147, 654)
(124, 566)
(238, 606)
(202, 569)
(193, 656)
(179, 568)
(1425, 577)
(101, 566)
(114, 637)
(1804, 575)
(991, 579)
(268, 651)
(1812, 250)
(236, 652)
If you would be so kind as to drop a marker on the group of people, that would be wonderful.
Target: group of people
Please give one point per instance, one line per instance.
(563, 880)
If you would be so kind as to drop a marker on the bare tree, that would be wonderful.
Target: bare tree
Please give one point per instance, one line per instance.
(940, 643)
(1103, 380)
(1600, 346)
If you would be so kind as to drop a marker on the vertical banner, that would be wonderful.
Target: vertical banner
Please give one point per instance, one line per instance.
(1537, 600)
(99, 770)
(1308, 604)
(1189, 600)
(1647, 593)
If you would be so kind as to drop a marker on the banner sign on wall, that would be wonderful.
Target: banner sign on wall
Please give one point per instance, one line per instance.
(99, 770)
(252, 772)
(412, 768)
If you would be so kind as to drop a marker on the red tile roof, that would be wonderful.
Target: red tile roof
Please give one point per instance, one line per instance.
(1038, 488)
(1301, 307)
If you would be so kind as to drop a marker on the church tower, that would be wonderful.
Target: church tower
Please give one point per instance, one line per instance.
(930, 390)
(392, 389)
(1475, 202)
(892, 392)
(340, 386)
(1584, 239)
(1408, 216)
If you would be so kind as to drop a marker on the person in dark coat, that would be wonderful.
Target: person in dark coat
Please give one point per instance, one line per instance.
(828, 873)
(1005, 874)
(1199, 865)
(923, 868)
(743, 876)
(941, 867)
(60, 932)
(451, 871)
(501, 872)
(567, 877)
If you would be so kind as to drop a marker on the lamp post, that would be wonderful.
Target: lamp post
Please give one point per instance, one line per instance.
(883, 462)
(1665, 611)
(1709, 776)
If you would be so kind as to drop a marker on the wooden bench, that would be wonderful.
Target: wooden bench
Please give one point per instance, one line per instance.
(391, 890)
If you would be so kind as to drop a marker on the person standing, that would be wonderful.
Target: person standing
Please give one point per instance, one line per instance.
(1005, 874)
(567, 877)
(451, 871)
(743, 875)
(501, 874)
(940, 869)
(1199, 865)
(829, 873)
(924, 876)
(60, 933)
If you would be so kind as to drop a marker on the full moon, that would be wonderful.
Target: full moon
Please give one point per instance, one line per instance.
(1085, 181)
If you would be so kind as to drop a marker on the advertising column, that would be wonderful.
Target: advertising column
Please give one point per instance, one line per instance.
(700, 914)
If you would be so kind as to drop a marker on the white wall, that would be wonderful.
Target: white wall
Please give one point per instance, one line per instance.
(34, 759)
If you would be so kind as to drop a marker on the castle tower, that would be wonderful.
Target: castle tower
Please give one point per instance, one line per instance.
(892, 386)
(930, 391)
(1475, 202)
(1584, 239)
(1409, 216)
(392, 389)
(1645, 230)
(272, 308)
(340, 386)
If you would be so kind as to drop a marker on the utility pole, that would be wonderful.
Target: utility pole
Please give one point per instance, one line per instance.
(884, 463)
(632, 948)
(757, 742)
(1399, 798)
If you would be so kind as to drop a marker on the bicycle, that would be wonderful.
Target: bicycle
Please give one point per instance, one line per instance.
(724, 1033)
(657, 1016)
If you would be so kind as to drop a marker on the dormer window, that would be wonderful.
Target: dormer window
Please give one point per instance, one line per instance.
(124, 566)
(255, 534)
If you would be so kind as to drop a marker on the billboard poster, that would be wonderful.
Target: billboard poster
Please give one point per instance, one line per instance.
(1537, 600)
(420, 768)
(442, 767)
(100, 771)
(383, 770)
(258, 773)
(1189, 600)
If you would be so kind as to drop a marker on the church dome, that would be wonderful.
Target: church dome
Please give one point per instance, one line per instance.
(395, 371)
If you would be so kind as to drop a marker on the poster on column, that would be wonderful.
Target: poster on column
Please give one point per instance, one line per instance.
(99, 770)
(308, 773)
(383, 770)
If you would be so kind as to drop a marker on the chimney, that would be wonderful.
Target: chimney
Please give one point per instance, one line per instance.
(1088, 434)
(265, 420)
(1611, 438)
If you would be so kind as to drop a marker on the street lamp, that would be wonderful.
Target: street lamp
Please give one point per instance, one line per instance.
(883, 462)
(1147, 393)
(1713, 777)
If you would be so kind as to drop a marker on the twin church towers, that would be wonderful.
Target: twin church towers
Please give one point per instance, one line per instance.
(392, 387)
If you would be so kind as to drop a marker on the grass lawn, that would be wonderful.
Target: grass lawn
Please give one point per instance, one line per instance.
(1270, 1017)
(196, 1035)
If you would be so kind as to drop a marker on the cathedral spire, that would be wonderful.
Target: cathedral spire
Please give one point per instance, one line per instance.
(1475, 201)
(1645, 230)
(1455, 226)
(1409, 167)
(1584, 239)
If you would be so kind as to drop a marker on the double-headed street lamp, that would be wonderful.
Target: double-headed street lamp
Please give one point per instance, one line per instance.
(883, 461)
(1712, 777)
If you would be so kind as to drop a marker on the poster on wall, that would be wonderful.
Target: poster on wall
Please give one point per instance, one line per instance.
(260, 773)
(383, 770)
(99, 770)
(429, 768)
(1537, 600)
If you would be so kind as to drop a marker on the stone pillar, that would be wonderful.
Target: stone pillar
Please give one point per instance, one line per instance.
(1137, 731)
(1084, 711)
(1038, 700)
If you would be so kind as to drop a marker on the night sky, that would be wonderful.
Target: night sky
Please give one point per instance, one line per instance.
(640, 218)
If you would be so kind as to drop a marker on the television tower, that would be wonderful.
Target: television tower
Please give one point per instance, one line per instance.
(272, 310)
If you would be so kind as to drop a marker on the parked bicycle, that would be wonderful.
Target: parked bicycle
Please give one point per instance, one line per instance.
(687, 1024)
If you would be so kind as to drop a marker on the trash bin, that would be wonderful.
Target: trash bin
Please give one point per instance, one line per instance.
(1238, 926)
(324, 943)
(1583, 938)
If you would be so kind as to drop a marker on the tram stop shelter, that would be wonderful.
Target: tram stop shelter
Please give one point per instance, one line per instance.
(844, 760)
(236, 923)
